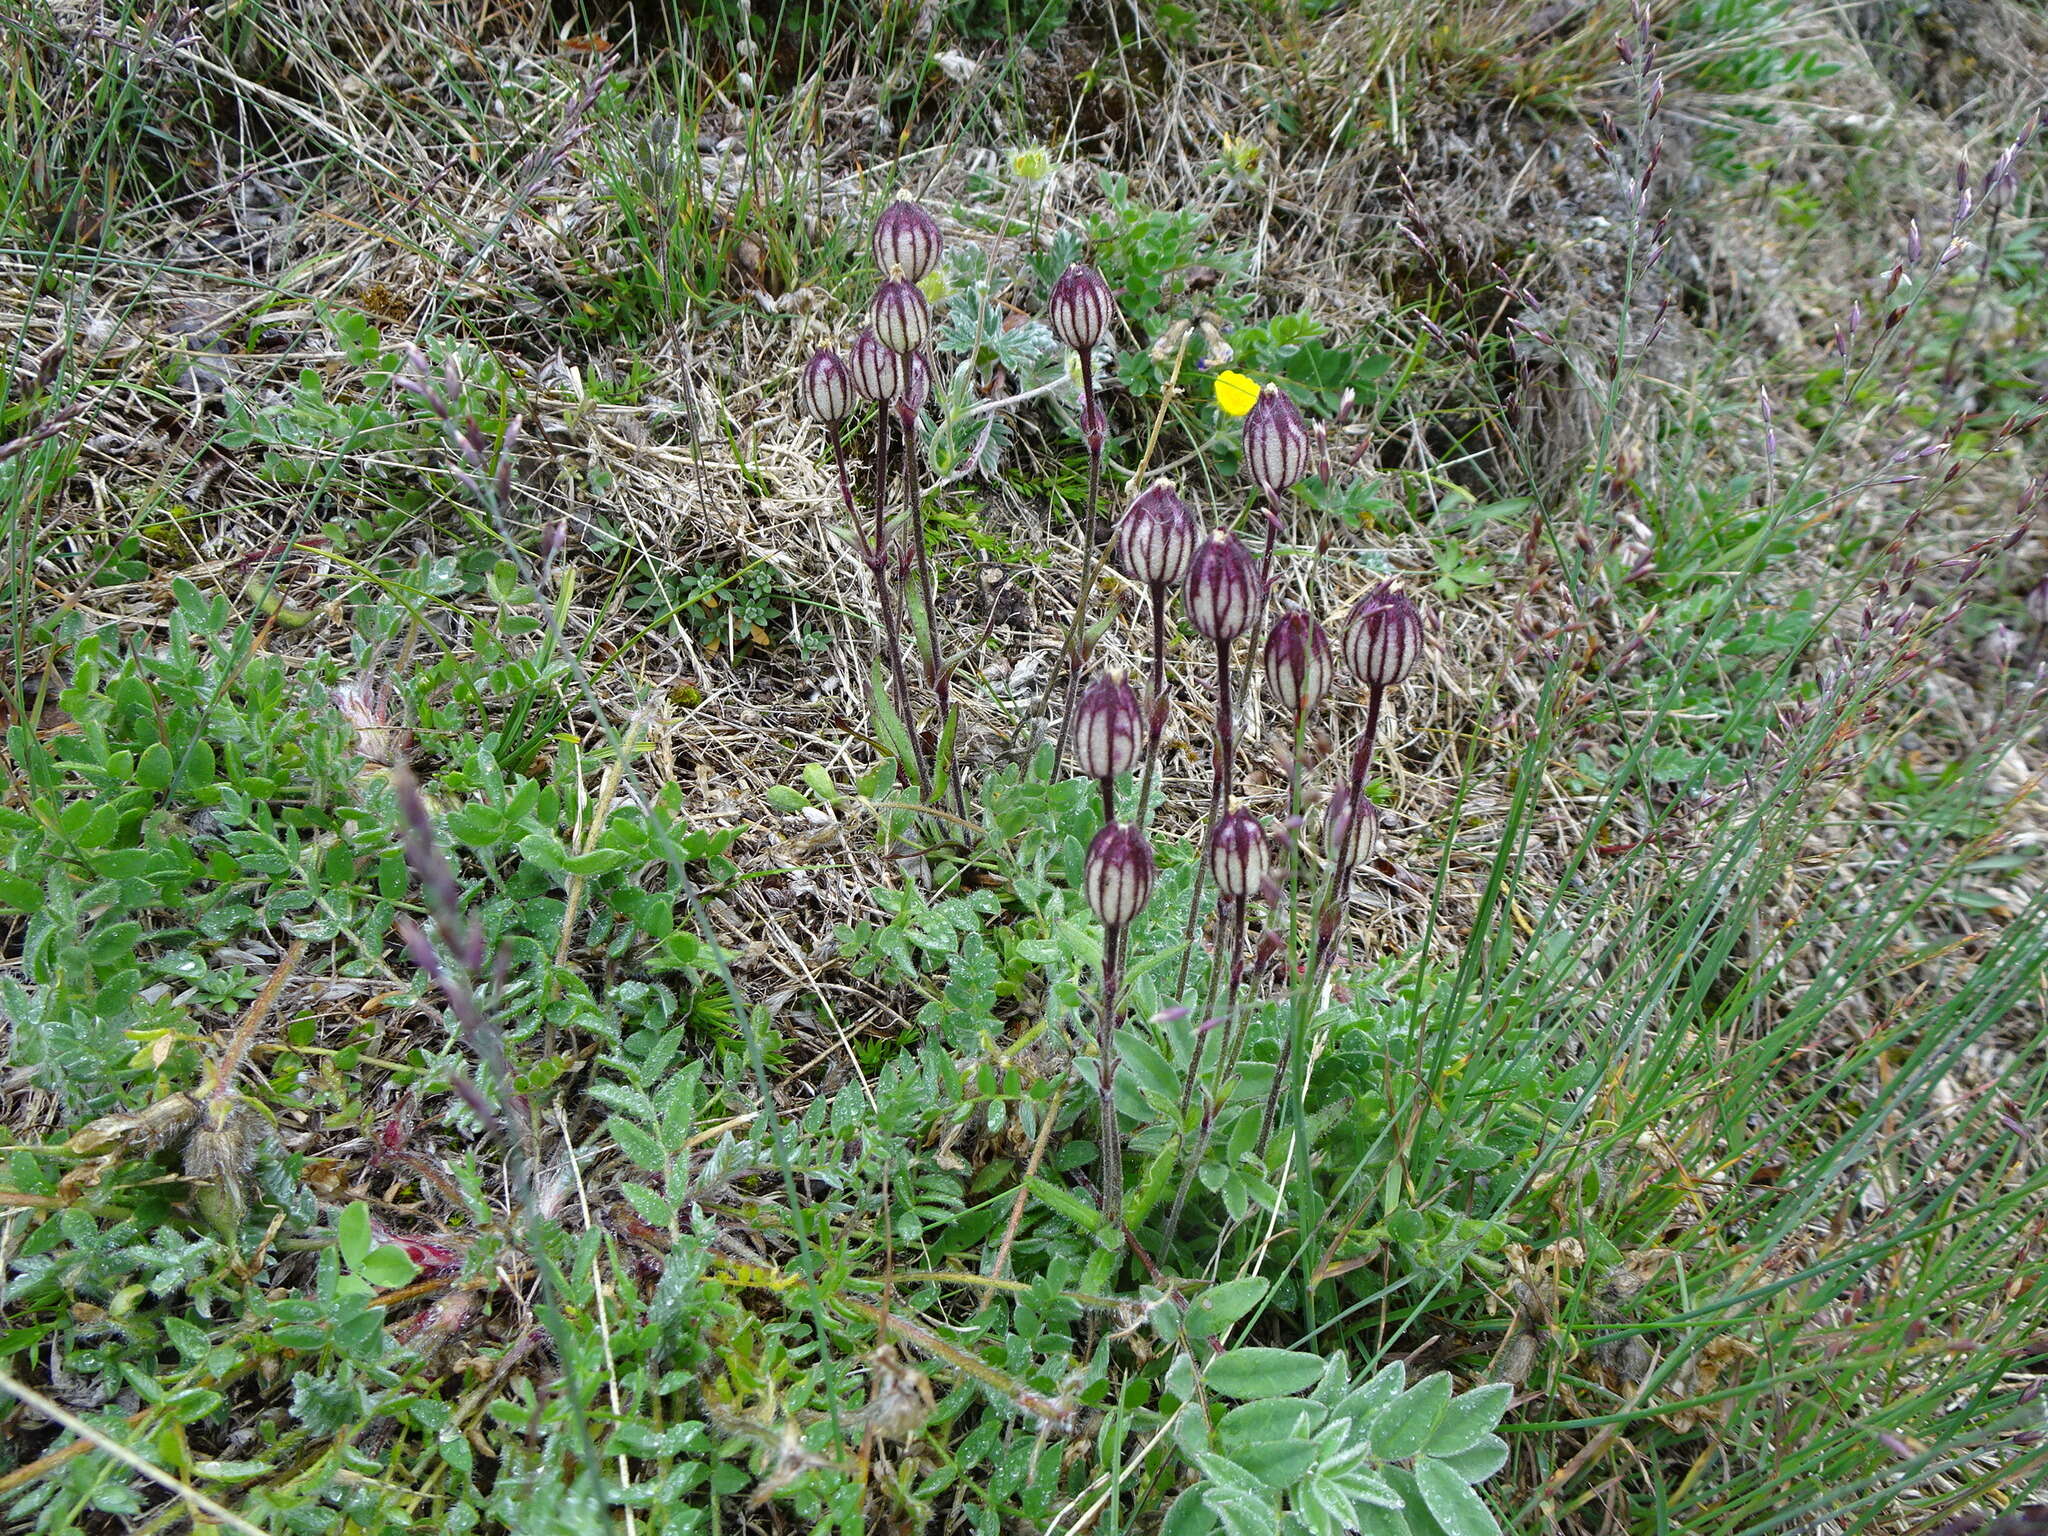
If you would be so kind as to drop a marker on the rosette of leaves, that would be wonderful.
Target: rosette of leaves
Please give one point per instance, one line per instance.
(1291, 1443)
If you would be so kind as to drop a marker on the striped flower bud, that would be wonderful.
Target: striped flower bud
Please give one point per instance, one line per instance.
(825, 388)
(902, 314)
(1107, 727)
(1238, 856)
(2037, 601)
(1298, 662)
(1350, 831)
(1223, 588)
(907, 237)
(1275, 441)
(1118, 874)
(917, 384)
(1383, 639)
(1157, 539)
(878, 373)
(1080, 308)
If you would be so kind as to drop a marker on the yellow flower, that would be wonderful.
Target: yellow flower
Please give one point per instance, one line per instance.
(1235, 393)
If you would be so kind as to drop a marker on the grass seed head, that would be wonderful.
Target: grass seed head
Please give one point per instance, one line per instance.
(1118, 875)
(1157, 539)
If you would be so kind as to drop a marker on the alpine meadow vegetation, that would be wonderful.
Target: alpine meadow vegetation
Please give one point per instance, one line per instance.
(961, 769)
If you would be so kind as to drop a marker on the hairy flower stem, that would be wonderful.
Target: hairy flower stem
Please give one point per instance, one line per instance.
(1295, 872)
(1221, 785)
(879, 563)
(1077, 628)
(1155, 703)
(1232, 916)
(928, 631)
(1342, 870)
(1105, 1044)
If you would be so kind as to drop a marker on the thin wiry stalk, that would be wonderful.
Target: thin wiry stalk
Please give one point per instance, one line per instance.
(1077, 628)
(1341, 869)
(879, 566)
(927, 633)
(1105, 1041)
(1155, 719)
(1223, 781)
(1231, 958)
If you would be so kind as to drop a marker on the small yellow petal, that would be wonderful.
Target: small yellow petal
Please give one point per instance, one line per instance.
(1235, 393)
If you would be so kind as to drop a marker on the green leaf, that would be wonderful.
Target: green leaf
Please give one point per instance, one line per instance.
(1255, 1372)
(1456, 1508)
(1267, 1420)
(1190, 1514)
(153, 768)
(387, 1267)
(649, 1206)
(1481, 1461)
(352, 1234)
(1404, 1426)
(1221, 1305)
(1155, 1076)
(1278, 1464)
(1469, 1419)
(642, 1148)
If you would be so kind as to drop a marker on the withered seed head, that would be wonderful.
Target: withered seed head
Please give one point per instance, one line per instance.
(1299, 662)
(878, 373)
(1157, 539)
(902, 314)
(907, 237)
(1223, 588)
(1118, 874)
(1275, 441)
(825, 388)
(1238, 855)
(1080, 308)
(1383, 637)
(1107, 727)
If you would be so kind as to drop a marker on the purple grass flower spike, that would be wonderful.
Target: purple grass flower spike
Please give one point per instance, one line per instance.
(1080, 308)
(902, 315)
(907, 237)
(825, 387)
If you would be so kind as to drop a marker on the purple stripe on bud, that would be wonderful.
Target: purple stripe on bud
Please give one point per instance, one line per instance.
(1118, 875)
(1223, 588)
(825, 388)
(902, 315)
(1350, 830)
(917, 384)
(907, 237)
(1383, 638)
(878, 373)
(1238, 857)
(1157, 539)
(1107, 725)
(1080, 308)
(1299, 663)
(1275, 441)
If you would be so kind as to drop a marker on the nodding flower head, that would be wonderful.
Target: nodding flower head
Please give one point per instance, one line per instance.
(825, 388)
(1350, 830)
(1299, 663)
(1080, 308)
(1275, 441)
(1157, 539)
(902, 314)
(878, 373)
(907, 237)
(1383, 637)
(1107, 726)
(1238, 856)
(1223, 588)
(1118, 874)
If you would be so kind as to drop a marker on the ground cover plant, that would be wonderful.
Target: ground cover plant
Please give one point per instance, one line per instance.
(959, 768)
